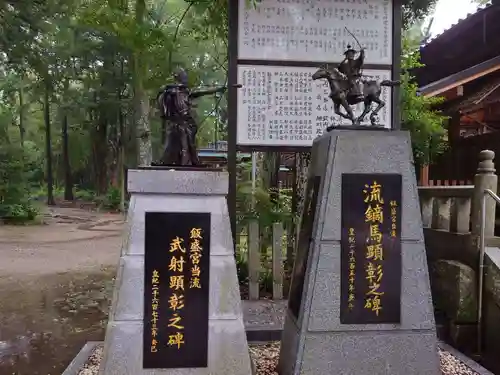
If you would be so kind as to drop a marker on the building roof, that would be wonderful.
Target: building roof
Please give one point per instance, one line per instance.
(463, 77)
(470, 42)
(476, 98)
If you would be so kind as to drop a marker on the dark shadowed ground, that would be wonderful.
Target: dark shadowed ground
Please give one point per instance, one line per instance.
(55, 285)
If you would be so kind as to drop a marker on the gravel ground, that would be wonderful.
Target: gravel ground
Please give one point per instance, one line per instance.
(92, 365)
(266, 359)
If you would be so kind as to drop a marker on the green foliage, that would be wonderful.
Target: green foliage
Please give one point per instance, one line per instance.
(112, 199)
(96, 60)
(482, 2)
(415, 10)
(418, 114)
(84, 195)
(15, 207)
(261, 204)
(241, 267)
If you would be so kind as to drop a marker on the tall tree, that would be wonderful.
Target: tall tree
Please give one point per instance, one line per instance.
(141, 99)
(48, 142)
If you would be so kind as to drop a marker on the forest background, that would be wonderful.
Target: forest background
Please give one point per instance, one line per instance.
(78, 83)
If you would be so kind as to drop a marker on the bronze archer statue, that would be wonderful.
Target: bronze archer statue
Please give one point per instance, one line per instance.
(345, 87)
(175, 102)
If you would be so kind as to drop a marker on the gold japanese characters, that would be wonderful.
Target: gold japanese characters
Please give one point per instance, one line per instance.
(184, 273)
(371, 248)
(374, 217)
(155, 282)
(352, 268)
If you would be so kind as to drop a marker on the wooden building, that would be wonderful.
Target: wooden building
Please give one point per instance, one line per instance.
(463, 65)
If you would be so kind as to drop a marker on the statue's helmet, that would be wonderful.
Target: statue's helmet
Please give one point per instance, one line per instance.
(181, 76)
(350, 51)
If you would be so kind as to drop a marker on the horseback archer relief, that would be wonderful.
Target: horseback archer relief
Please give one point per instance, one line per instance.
(345, 87)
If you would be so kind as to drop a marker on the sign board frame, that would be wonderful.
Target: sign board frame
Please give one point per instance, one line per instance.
(294, 108)
(235, 29)
(234, 61)
(284, 31)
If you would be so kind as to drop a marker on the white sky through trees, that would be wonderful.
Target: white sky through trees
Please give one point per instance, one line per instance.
(448, 12)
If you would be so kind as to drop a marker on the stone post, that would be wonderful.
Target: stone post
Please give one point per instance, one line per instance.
(485, 178)
(182, 191)
(315, 339)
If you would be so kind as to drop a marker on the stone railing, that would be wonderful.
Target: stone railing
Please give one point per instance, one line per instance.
(451, 215)
(446, 207)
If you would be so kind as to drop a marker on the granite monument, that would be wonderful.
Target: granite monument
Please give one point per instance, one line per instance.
(176, 307)
(360, 300)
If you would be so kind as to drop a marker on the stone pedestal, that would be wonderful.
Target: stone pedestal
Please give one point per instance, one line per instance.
(161, 190)
(316, 343)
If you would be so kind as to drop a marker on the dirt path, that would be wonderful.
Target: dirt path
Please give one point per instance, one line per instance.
(72, 240)
(56, 280)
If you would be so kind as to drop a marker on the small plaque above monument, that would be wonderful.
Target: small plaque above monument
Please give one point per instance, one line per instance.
(371, 249)
(177, 266)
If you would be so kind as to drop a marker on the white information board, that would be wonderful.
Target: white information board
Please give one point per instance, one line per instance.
(283, 106)
(315, 30)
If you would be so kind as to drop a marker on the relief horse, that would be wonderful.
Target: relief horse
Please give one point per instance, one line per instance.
(372, 89)
(339, 93)
(339, 87)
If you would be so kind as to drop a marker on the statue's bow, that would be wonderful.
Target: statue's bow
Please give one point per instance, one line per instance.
(359, 45)
(354, 36)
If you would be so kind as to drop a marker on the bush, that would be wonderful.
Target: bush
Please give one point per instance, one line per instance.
(113, 198)
(15, 204)
(84, 195)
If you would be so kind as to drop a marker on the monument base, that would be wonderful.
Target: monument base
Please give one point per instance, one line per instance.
(161, 165)
(179, 191)
(356, 127)
(315, 341)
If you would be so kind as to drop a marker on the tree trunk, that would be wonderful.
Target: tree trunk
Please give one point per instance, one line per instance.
(21, 116)
(292, 229)
(48, 146)
(121, 160)
(274, 188)
(68, 181)
(100, 143)
(141, 99)
(142, 125)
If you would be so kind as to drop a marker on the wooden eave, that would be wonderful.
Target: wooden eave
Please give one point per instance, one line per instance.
(461, 78)
(467, 44)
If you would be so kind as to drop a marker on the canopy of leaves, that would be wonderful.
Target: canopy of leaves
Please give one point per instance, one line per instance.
(75, 73)
(418, 113)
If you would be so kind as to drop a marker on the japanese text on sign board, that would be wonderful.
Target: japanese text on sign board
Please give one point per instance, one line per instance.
(305, 30)
(284, 106)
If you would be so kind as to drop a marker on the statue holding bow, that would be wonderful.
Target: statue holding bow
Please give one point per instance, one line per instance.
(352, 68)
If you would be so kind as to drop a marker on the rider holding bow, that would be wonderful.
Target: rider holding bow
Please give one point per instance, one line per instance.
(352, 68)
